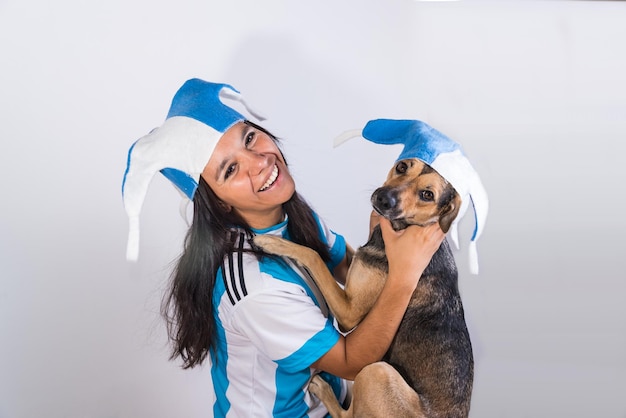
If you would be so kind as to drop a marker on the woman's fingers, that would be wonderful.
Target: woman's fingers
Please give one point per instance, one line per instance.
(410, 250)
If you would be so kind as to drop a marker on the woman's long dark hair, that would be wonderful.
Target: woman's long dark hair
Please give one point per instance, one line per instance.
(188, 302)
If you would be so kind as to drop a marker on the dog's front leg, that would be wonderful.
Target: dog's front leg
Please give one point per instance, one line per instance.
(336, 298)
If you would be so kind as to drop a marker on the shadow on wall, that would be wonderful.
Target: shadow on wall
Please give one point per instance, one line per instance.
(293, 88)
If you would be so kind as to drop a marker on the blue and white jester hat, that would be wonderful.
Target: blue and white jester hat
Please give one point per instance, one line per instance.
(180, 148)
(445, 156)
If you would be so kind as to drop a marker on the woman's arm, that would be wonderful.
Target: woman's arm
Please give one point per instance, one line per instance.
(409, 251)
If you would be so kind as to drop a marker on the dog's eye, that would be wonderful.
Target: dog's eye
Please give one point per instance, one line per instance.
(401, 167)
(427, 195)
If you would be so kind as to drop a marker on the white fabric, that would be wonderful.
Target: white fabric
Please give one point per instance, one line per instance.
(161, 148)
(272, 330)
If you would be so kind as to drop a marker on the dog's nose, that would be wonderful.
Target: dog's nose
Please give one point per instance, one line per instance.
(385, 199)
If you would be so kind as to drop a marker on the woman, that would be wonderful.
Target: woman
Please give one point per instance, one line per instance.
(256, 317)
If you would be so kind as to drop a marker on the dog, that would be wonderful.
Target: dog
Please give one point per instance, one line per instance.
(428, 370)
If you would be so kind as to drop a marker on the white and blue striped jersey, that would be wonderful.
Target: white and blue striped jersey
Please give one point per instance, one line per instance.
(270, 329)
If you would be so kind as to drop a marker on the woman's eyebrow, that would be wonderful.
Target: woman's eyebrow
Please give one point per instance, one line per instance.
(220, 169)
(244, 132)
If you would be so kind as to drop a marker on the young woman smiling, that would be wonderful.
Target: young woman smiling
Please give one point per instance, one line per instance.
(257, 318)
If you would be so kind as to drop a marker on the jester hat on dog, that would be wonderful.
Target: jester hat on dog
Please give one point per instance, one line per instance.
(445, 156)
(180, 148)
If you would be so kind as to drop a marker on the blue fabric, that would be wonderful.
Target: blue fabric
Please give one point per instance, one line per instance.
(130, 151)
(294, 371)
(276, 227)
(419, 139)
(199, 99)
(218, 374)
(338, 250)
(182, 180)
(289, 403)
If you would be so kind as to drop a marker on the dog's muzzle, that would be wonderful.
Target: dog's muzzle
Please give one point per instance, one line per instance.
(385, 201)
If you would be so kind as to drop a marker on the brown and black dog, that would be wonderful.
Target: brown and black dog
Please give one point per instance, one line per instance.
(428, 370)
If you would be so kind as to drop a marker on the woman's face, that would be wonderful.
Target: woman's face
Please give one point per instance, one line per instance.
(248, 173)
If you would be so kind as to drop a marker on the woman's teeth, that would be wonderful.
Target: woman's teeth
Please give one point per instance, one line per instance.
(270, 180)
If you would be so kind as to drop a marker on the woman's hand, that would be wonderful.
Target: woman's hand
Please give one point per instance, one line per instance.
(409, 250)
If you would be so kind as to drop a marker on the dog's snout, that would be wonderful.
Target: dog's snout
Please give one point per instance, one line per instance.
(384, 199)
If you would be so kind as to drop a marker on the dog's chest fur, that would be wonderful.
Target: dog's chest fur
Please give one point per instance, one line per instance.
(432, 348)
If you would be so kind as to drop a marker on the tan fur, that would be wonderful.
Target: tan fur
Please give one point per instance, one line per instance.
(411, 195)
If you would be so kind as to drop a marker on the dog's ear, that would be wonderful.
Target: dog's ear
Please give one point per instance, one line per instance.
(449, 211)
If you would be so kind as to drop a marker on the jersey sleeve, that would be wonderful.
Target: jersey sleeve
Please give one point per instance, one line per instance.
(286, 325)
(336, 243)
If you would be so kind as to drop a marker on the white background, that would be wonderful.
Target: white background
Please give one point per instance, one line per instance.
(534, 91)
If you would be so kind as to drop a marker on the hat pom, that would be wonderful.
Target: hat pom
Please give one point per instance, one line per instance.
(132, 247)
(473, 257)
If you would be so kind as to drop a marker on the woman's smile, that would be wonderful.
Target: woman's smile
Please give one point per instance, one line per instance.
(270, 181)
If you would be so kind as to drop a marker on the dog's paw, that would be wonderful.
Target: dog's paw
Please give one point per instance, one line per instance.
(272, 244)
(320, 388)
(279, 246)
(302, 255)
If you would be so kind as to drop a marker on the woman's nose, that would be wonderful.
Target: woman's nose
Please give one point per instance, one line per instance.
(257, 162)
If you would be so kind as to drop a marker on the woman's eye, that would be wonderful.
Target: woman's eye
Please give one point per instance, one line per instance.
(427, 195)
(401, 167)
(229, 170)
(250, 138)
